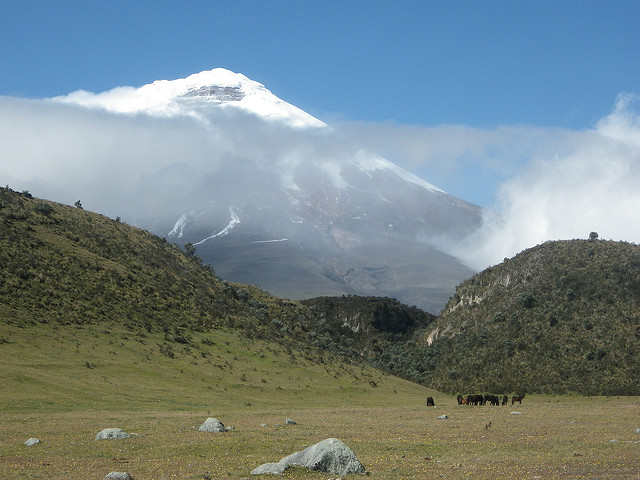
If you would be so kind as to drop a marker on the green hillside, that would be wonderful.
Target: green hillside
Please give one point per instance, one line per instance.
(88, 303)
(72, 266)
(560, 317)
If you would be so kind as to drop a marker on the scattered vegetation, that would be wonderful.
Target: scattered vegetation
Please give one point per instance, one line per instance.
(363, 327)
(560, 317)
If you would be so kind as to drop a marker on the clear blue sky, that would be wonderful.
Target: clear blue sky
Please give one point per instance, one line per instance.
(483, 64)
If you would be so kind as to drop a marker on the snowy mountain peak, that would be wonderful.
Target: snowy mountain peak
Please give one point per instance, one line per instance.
(195, 96)
(208, 84)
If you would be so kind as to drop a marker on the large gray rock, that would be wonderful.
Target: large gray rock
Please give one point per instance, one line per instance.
(31, 442)
(111, 434)
(212, 425)
(276, 468)
(329, 456)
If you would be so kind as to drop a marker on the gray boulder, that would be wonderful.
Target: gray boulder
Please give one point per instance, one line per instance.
(275, 468)
(117, 476)
(288, 421)
(32, 441)
(212, 425)
(443, 417)
(111, 434)
(329, 456)
(637, 430)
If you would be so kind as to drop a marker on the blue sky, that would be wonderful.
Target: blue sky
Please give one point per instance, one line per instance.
(518, 106)
(484, 64)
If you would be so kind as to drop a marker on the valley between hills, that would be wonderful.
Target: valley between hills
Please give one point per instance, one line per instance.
(105, 325)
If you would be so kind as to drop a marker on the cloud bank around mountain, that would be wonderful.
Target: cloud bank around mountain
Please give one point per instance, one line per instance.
(592, 184)
(547, 183)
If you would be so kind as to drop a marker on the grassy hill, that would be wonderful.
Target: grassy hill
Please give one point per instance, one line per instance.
(560, 317)
(93, 311)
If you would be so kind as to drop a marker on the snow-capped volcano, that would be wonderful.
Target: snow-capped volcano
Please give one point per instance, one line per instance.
(194, 95)
(273, 196)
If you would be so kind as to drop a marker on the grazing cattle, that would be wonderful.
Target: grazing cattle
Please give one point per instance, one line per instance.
(459, 398)
(492, 400)
(517, 399)
(505, 400)
(475, 400)
(430, 402)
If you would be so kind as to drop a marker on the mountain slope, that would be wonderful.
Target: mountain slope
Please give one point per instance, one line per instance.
(272, 196)
(560, 317)
(88, 303)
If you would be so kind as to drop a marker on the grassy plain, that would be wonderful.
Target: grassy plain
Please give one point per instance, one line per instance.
(64, 385)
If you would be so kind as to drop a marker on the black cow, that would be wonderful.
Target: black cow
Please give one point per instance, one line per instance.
(430, 402)
(517, 399)
(505, 400)
(492, 400)
(475, 400)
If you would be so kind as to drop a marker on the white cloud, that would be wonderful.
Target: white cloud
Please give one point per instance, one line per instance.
(591, 184)
(548, 183)
(467, 162)
(138, 166)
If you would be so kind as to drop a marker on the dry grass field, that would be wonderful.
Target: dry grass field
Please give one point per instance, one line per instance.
(553, 438)
(64, 385)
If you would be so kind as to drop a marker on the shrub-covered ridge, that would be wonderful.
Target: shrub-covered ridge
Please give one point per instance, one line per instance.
(560, 317)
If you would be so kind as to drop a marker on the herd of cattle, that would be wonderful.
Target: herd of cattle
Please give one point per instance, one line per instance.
(481, 400)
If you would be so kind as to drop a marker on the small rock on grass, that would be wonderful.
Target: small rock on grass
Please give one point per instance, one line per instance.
(32, 441)
(111, 434)
(213, 425)
(118, 476)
